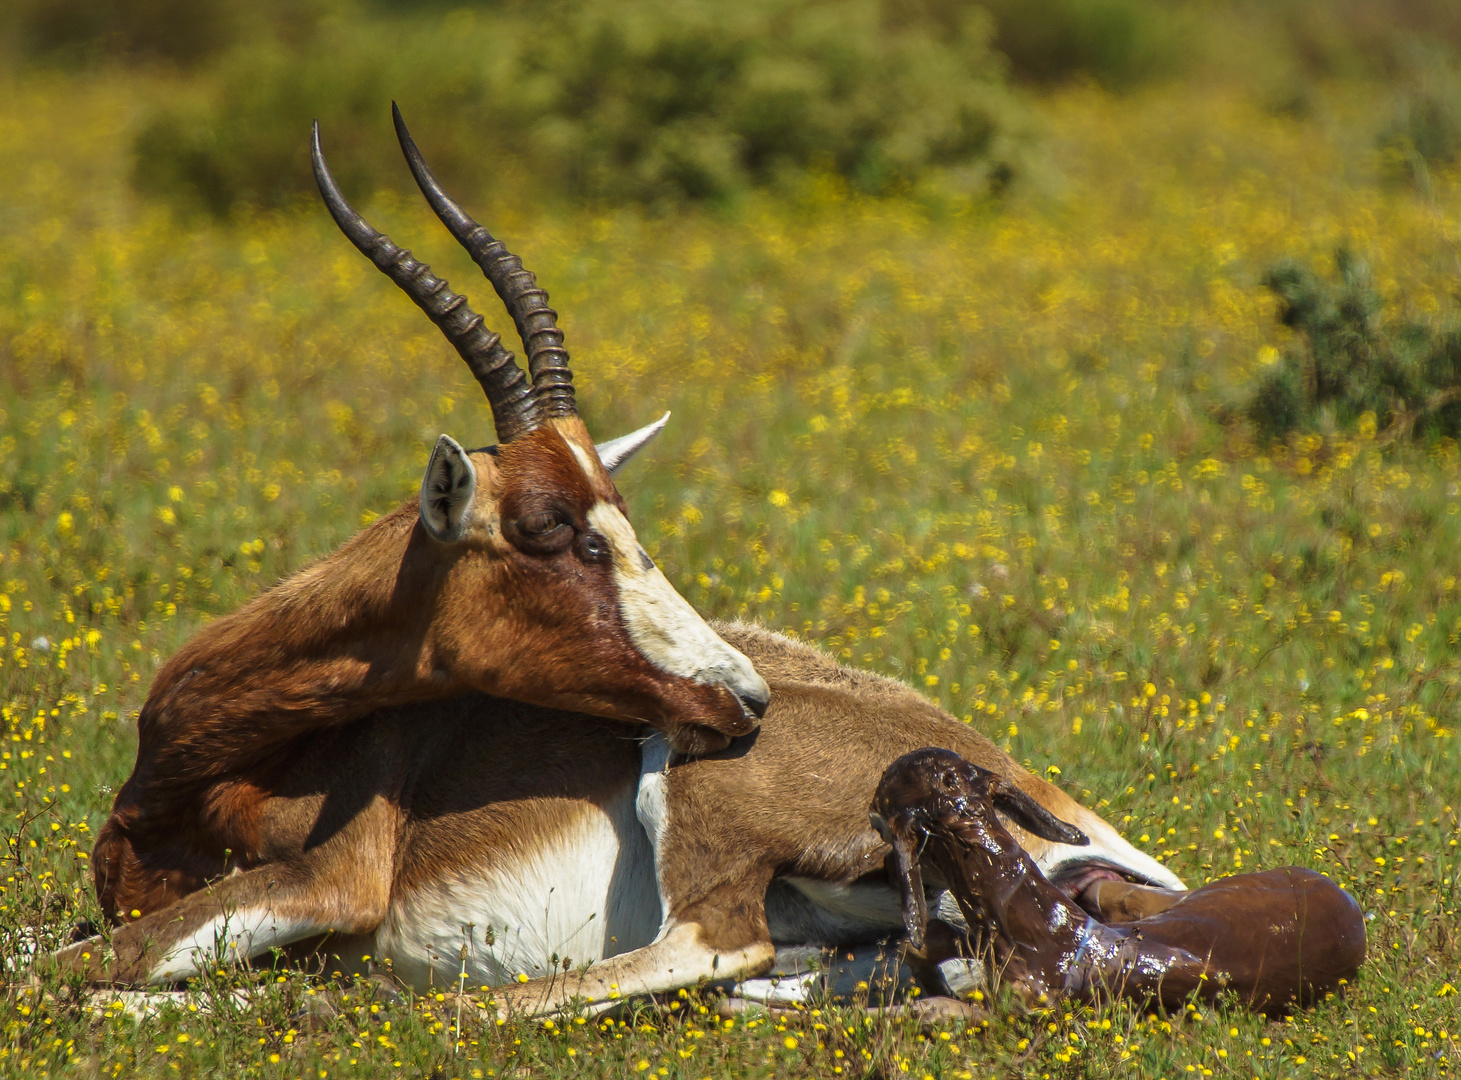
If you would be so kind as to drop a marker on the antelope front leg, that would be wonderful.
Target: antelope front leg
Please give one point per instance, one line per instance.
(680, 957)
(238, 918)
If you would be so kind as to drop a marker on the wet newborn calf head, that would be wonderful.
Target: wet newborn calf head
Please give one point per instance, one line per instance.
(934, 792)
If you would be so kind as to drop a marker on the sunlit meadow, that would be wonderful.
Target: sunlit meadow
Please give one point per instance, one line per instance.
(974, 447)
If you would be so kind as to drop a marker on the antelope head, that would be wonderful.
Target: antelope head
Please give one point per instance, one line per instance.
(538, 587)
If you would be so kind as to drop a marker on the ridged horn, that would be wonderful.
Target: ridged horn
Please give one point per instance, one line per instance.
(514, 407)
(537, 323)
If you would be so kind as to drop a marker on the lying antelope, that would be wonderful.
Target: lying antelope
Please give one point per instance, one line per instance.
(492, 838)
(1274, 939)
(489, 838)
(515, 574)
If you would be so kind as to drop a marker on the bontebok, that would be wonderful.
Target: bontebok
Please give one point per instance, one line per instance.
(516, 574)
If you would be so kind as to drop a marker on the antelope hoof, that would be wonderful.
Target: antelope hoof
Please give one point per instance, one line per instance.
(940, 1010)
(388, 989)
(729, 1008)
(930, 1011)
(316, 1015)
(87, 958)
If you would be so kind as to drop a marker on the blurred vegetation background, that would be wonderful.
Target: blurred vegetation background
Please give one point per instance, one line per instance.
(662, 102)
(1092, 365)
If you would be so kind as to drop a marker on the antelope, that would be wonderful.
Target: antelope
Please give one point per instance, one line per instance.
(486, 838)
(1274, 939)
(515, 573)
(516, 840)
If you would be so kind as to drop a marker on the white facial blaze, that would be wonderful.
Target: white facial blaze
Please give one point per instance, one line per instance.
(661, 623)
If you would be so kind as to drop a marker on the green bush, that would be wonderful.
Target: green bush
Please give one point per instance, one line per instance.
(663, 98)
(1375, 38)
(179, 31)
(624, 100)
(1347, 363)
(247, 144)
(182, 33)
(1425, 130)
(1116, 42)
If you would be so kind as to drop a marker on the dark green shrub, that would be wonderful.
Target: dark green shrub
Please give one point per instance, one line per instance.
(620, 100)
(651, 99)
(1375, 38)
(1347, 363)
(1425, 130)
(1116, 42)
(180, 31)
(248, 145)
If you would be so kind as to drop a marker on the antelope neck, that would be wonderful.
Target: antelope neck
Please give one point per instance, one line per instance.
(336, 641)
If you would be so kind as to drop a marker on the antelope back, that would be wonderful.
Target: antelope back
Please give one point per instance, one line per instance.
(823, 747)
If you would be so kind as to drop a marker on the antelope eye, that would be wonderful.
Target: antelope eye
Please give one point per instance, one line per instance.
(595, 547)
(540, 524)
(540, 532)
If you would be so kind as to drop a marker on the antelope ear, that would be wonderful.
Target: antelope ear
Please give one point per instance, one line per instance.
(1032, 817)
(901, 834)
(616, 452)
(447, 491)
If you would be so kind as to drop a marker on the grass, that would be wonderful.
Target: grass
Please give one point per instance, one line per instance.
(971, 448)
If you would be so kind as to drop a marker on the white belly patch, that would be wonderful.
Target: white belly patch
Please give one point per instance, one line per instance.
(580, 896)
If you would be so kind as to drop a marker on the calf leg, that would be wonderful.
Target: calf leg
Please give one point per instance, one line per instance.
(1122, 902)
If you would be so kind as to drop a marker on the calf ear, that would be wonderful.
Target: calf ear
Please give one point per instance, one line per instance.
(447, 491)
(1032, 817)
(901, 833)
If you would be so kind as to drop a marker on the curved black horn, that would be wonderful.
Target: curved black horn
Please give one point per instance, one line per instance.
(537, 323)
(514, 408)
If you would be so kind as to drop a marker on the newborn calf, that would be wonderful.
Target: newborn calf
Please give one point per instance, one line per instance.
(1276, 939)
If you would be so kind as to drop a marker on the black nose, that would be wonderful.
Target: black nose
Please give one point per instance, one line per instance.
(755, 703)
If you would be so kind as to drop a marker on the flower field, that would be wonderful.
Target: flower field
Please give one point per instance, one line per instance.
(980, 448)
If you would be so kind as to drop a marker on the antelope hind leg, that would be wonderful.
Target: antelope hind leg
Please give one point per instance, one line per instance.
(237, 918)
(680, 957)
